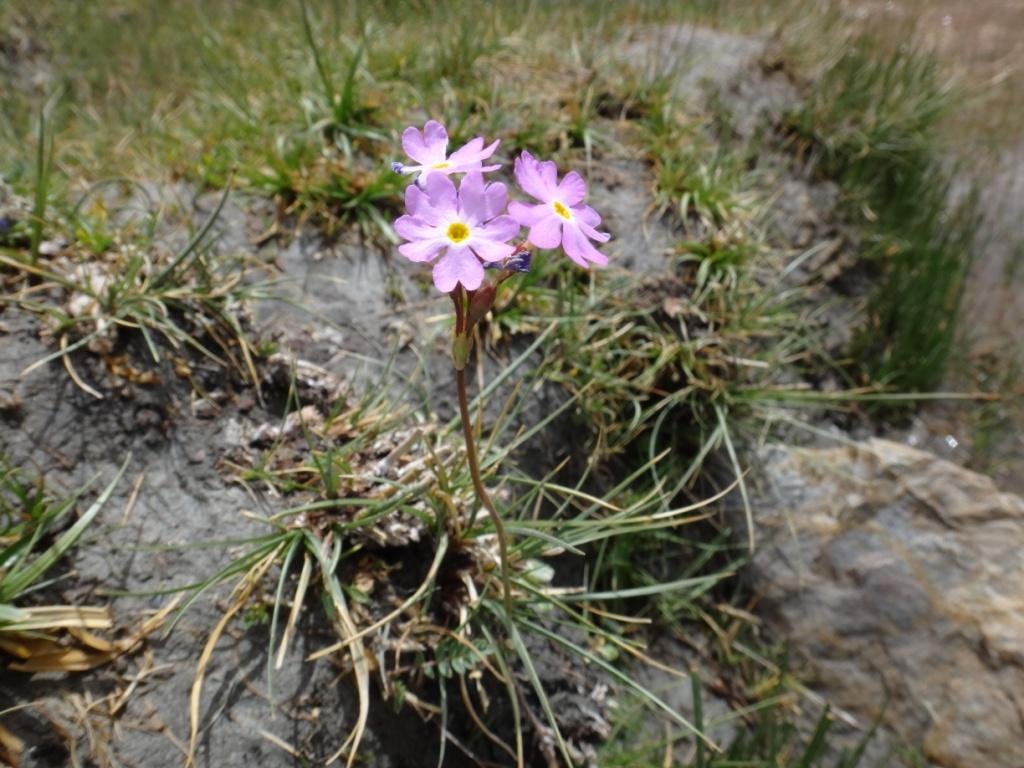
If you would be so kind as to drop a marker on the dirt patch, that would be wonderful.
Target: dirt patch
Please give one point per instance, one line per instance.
(151, 545)
(366, 321)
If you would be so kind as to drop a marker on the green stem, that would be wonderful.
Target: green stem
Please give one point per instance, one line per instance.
(481, 492)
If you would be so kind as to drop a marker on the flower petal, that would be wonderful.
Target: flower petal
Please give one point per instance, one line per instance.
(436, 139)
(441, 194)
(473, 151)
(549, 177)
(497, 198)
(593, 234)
(572, 189)
(416, 228)
(459, 265)
(412, 143)
(502, 229)
(528, 215)
(491, 250)
(587, 215)
(578, 248)
(416, 148)
(489, 149)
(418, 204)
(472, 200)
(415, 199)
(536, 179)
(546, 233)
(421, 250)
(467, 151)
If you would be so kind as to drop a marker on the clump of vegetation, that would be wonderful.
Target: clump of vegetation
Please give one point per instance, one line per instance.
(871, 121)
(31, 544)
(379, 515)
(106, 275)
(773, 740)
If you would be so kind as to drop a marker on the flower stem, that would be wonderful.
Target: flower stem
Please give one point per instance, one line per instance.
(481, 492)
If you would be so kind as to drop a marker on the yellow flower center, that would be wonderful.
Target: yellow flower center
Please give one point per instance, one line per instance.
(440, 166)
(561, 210)
(457, 232)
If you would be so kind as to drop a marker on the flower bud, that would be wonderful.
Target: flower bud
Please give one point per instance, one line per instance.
(462, 344)
(480, 303)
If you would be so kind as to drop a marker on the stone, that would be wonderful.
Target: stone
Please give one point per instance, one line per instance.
(740, 77)
(898, 578)
(696, 58)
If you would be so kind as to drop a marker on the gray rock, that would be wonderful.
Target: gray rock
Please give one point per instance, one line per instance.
(898, 578)
(738, 72)
(695, 57)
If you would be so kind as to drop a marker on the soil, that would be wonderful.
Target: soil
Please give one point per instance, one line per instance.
(346, 308)
(349, 308)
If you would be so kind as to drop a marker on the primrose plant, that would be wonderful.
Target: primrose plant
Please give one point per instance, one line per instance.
(463, 231)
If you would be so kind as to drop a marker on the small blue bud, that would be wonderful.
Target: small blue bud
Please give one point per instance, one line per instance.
(519, 261)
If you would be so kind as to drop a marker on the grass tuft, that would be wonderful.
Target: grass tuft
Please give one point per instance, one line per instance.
(377, 514)
(871, 122)
(103, 286)
(30, 546)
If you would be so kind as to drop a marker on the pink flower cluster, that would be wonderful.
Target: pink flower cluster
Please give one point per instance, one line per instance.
(463, 230)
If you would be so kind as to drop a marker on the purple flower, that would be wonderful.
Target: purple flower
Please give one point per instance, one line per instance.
(464, 226)
(560, 219)
(429, 149)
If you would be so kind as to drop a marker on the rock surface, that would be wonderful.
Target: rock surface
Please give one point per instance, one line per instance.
(739, 72)
(899, 579)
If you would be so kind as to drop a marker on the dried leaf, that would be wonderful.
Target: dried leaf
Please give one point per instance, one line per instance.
(11, 748)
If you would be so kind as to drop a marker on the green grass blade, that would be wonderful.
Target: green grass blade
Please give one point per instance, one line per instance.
(517, 716)
(622, 677)
(16, 582)
(282, 579)
(538, 687)
(193, 244)
(326, 80)
(41, 190)
(723, 423)
(698, 717)
(817, 744)
(345, 109)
